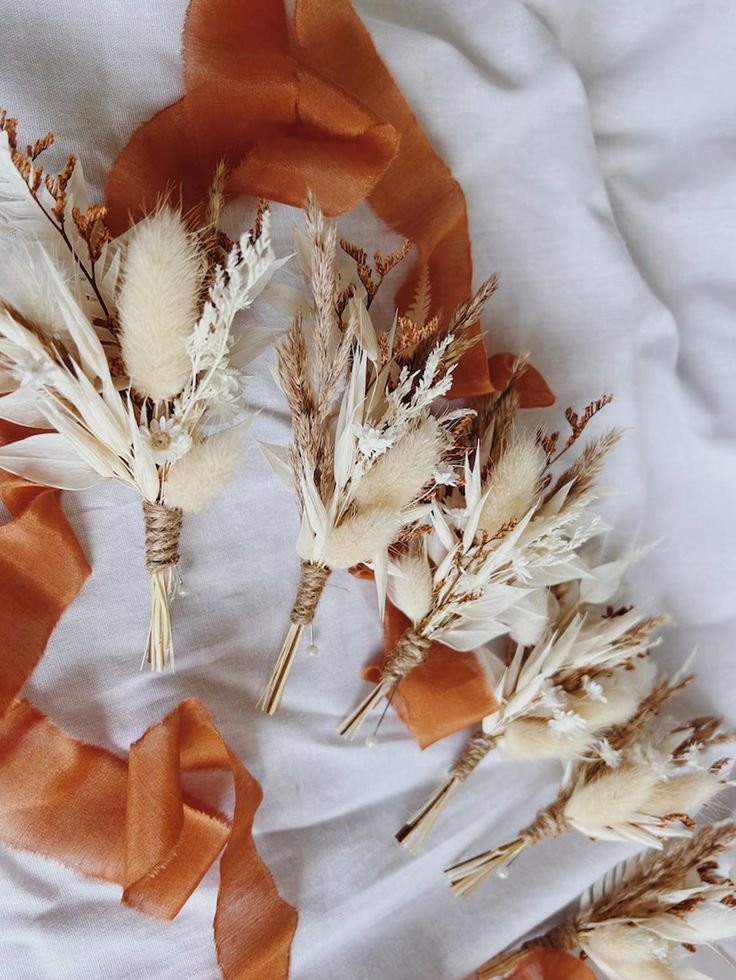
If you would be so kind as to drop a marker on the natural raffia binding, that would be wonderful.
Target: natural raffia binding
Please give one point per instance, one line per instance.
(415, 830)
(411, 650)
(311, 585)
(163, 530)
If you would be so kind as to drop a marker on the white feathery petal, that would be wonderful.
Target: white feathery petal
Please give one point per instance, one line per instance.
(195, 480)
(626, 952)
(360, 536)
(708, 922)
(50, 460)
(158, 304)
(513, 483)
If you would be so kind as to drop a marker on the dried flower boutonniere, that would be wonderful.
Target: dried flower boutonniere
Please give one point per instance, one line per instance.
(636, 786)
(367, 450)
(127, 349)
(641, 920)
(589, 671)
(496, 545)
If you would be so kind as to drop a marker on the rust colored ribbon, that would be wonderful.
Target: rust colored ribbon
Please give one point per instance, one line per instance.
(323, 113)
(446, 693)
(129, 823)
(551, 964)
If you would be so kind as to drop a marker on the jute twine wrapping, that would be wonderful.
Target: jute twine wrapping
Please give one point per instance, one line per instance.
(478, 747)
(163, 530)
(411, 650)
(548, 823)
(311, 585)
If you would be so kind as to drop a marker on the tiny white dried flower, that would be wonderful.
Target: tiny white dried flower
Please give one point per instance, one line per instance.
(522, 568)
(371, 441)
(691, 756)
(552, 696)
(648, 754)
(166, 439)
(567, 723)
(33, 371)
(609, 755)
(594, 690)
(445, 476)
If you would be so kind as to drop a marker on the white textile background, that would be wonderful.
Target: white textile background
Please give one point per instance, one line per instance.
(596, 144)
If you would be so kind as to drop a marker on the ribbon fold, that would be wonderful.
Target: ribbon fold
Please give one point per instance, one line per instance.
(81, 805)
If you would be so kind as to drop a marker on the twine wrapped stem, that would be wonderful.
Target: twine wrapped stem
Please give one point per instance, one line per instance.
(411, 650)
(415, 830)
(311, 585)
(467, 875)
(163, 530)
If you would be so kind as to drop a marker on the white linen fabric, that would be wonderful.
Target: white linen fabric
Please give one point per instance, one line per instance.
(595, 143)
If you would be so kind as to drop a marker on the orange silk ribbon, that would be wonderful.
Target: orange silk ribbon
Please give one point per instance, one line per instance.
(129, 823)
(551, 964)
(323, 113)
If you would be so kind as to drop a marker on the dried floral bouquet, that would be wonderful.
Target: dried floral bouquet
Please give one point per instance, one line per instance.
(495, 546)
(126, 348)
(368, 451)
(646, 914)
(590, 671)
(638, 784)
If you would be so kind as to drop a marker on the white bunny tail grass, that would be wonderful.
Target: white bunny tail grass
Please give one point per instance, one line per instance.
(163, 529)
(398, 476)
(158, 304)
(467, 875)
(514, 483)
(410, 651)
(368, 531)
(195, 480)
(417, 828)
(311, 585)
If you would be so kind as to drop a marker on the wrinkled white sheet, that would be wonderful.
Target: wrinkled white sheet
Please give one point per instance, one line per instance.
(596, 145)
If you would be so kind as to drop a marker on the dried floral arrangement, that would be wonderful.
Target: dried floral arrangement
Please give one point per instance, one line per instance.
(127, 348)
(642, 919)
(640, 784)
(368, 452)
(590, 671)
(496, 545)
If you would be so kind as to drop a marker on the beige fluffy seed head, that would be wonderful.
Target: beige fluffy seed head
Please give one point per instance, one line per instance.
(158, 304)
(532, 738)
(398, 476)
(411, 590)
(683, 794)
(624, 693)
(360, 537)
(614, 798)
(513, 483)
(195, 480)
